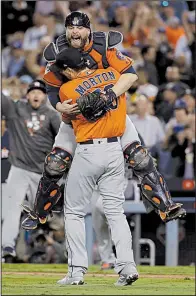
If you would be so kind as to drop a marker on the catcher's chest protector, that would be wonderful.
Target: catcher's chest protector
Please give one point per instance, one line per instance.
(96, 55)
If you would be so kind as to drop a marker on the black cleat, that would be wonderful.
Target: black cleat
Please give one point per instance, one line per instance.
(176, 212)
(29, 223)
(9, 254)
(126, 280)
(32, 220)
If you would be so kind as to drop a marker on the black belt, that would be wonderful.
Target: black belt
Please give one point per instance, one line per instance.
(109, 140)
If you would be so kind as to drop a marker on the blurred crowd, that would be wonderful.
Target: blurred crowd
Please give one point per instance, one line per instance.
(43, 245)
(158, 35)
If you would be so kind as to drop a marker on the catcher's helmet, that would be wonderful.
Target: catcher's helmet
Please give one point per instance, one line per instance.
(77, 18)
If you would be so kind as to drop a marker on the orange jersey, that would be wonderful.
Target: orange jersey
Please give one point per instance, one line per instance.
(173, 35)
(142, 35)
(114, 57)
(112, 124)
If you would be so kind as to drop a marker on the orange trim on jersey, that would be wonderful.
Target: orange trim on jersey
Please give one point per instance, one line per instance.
(117, 60)
(88, 46)
(51, 79)
(127, 67)
(97, 57)
(42, 71)
(51, 84)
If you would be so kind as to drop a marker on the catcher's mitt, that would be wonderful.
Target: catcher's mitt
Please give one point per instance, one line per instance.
(92, 106)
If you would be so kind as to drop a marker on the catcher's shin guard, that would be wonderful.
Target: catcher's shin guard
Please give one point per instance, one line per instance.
(155, 193)
(49, 195)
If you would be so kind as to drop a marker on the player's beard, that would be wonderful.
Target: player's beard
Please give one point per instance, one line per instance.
(77, 43)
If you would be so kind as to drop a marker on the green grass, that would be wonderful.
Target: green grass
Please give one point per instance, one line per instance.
(45, 284)
(62, 268)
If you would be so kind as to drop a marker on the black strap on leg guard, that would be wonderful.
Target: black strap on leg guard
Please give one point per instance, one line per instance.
(49, 192)
(58, 207)
(153, 186)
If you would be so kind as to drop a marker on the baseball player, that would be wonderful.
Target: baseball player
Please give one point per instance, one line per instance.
(32, 128)
(98, 161)
(101, 227)
(98, 52)
(102, 231)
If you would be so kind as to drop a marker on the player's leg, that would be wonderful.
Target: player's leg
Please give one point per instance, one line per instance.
(154, 190)
(130, 134)
(17, 186)
(102, 231)
(83, 174)
(4, 201)
(49, 193)
(57, 163)
(111, 186)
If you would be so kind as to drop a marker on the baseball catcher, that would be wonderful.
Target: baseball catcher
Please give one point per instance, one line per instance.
(106, 55)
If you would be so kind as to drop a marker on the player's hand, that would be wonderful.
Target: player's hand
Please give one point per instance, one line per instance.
(67, 108)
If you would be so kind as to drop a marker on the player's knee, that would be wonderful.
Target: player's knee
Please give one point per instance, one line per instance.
(57, 162)
(138, 158)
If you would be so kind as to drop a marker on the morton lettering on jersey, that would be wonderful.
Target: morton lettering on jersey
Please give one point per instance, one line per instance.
(94, 81)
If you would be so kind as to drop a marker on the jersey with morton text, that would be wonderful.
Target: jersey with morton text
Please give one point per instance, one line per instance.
(112, 124)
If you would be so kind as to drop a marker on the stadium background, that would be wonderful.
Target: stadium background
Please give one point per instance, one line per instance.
(160, 37)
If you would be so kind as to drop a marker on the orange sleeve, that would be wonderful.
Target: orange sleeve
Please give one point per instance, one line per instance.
(50, 78)
(62, 95)
(117, 60)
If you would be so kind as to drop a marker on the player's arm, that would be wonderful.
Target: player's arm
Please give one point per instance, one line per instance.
(123, 65)
(124, 83)
(55, 121)
(53, 85)
(7, 105)
(65, 106)
(60, 107)
(53, 95)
